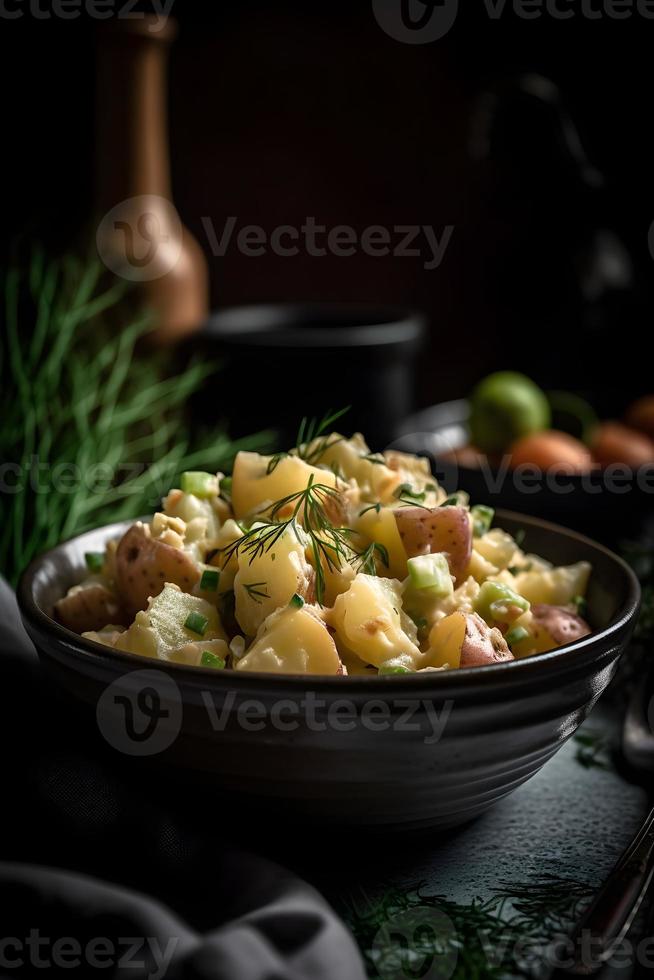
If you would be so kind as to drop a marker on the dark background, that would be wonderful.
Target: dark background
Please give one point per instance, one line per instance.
(283, 110)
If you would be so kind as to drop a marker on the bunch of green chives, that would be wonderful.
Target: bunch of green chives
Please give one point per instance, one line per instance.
(91, 431)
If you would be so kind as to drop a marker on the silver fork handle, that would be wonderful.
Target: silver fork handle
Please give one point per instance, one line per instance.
(608, 918)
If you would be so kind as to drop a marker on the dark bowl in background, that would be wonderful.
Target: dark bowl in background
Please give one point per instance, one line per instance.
(282, 362)
(501, 723)
(609, 508)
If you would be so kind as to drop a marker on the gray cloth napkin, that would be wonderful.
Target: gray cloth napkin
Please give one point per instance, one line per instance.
(219, 913)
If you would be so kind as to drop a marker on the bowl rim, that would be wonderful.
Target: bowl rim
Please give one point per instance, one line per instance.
(434, 681)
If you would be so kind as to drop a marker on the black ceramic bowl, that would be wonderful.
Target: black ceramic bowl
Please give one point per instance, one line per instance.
(296, 360)
(610, 503)
(424, 750)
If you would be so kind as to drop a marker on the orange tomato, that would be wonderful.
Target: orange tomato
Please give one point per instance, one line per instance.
(552, 450)
(616, 443)
(641, 415)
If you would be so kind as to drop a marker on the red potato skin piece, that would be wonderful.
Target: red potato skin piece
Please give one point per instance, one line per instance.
(482, 645)
(427, 530)
(144, 565)
(563, 625)
(90, 609)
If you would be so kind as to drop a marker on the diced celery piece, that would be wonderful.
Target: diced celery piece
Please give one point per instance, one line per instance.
(431, 572)
(497, 603)
(200, 484)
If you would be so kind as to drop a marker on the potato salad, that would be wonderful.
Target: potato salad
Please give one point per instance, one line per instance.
(327, 559)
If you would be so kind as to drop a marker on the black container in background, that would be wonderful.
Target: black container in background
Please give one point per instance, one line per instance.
(280, 363)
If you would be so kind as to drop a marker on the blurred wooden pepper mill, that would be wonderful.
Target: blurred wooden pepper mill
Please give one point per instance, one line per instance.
(140, 236)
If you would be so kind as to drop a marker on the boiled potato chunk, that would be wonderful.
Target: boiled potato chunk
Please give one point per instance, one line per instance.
(269, 580)
(497, 547)
(253, 487)
(159, 630)
(554, 586)
(91, 607)
(228, 535)
(480, 568)
(426, 530)
(563, 624)
(188, 507)
(548, 628)
(337, 580)
(414, 470)
(193, 653)
(143, 564)
(376, 480)
(446, 640)
(465, 640)
(368, 620)
(292, 641)
(381, 527)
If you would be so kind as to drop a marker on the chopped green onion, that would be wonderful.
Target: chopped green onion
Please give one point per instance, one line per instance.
(199, 484)
(420, 621)
(454, 500)
(432, 573)
(482, 518)
(498, 603)
(296, 601)
(196, 623)
(581, 605)
(226, 487)
(518, 569)
(520, 536)
(210, 579)
(515, 635)
(406, 490)
(390, 669)
(209, 659)
(94, 560)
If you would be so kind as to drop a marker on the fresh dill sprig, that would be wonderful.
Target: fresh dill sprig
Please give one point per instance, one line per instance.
(410, 497)
(376, 507)
(256, 591)
(366, 561)
(305, 513)
(309, 431)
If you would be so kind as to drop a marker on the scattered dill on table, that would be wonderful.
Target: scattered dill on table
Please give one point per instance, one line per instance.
(593, 750)
(502, 937)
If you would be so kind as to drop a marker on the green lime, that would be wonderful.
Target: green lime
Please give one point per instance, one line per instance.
(505, 406)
